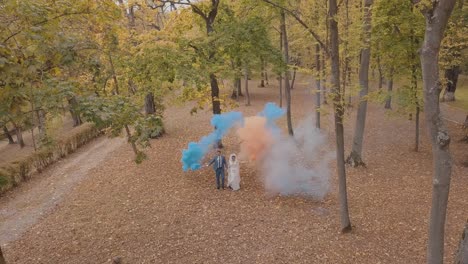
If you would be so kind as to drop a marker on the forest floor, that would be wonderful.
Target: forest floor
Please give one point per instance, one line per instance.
(156, 213)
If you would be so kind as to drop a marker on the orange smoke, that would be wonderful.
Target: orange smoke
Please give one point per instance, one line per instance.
(255, 138)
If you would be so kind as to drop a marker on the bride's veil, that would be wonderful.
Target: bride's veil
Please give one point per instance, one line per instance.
(233, 162)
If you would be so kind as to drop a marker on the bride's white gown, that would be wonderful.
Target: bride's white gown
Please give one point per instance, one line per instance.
(233, 174)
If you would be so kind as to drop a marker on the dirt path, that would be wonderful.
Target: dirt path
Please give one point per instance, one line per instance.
(24, 206)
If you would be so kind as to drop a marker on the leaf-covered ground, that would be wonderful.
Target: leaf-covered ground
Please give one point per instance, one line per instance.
(156, 213)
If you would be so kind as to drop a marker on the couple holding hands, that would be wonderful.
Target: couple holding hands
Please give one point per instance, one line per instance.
(219, 165)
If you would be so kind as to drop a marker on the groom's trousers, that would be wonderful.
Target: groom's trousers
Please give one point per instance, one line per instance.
(220, 177)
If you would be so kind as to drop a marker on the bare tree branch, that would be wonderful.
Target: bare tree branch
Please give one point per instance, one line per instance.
(194, 7)
(298, 19)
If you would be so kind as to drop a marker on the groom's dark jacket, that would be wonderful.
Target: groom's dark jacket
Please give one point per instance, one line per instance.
(221, 163)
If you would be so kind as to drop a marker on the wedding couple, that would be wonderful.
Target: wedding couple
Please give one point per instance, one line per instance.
(220, 165)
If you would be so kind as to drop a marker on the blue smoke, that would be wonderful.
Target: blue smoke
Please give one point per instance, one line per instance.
(272, 113)
(224, 122)
(192, 156)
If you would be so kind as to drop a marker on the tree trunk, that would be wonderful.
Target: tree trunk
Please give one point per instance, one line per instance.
(33, 138)
(209, 20)
(215, 102)
(129, 139)
(325, 52)
(114, 76)
(74, 114)
(32, 122)
(127, 129)
(132, 88)
(235, 94)
(293, 78)
(247, 97)
(388, 102)
(215, 94)
(150, 108)
(266, 77)
(416, 99)
(239, 88)
(41, 124)
(2, 258)
(262, 82)
(19, 135)
(465, 127)
(451, 75)
(339, 112)
(379, 67)
(350, 98)
(346, 53)
(317, 84)
(462, 254)
(355, 158)
(8, 135)
(436, 21)
(414, 86)
(280, 77)
(324, 78)
(286, 77)
(416, 124)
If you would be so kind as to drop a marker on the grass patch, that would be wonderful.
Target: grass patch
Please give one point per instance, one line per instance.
(461, 94)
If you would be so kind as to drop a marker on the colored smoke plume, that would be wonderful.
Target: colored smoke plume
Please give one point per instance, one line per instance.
(192, 156)
(299, 164)
(272, 113)
(288, 165)
(255, 138)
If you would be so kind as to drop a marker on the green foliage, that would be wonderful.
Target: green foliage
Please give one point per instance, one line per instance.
(3, 180)
(245, 42)
(397, 34)
(52, 52)
(407, 100)
(398, 31)
(455, 44)
(95, 53)
(147, 128)
(140, 157)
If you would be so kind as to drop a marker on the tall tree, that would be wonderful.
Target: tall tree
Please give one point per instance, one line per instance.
(280, 75)
(287, 87)
(437, 15)
(333, 51)
(7, 134)
(355, 158)
(318, 92)
(246, 80)
(2, 259)
(388, 100)
(462, 254)
(338, 105)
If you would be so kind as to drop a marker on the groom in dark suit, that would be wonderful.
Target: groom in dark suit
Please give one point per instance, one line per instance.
(219, 165)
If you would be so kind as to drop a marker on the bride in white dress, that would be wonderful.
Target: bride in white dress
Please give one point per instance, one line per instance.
(234, 177)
